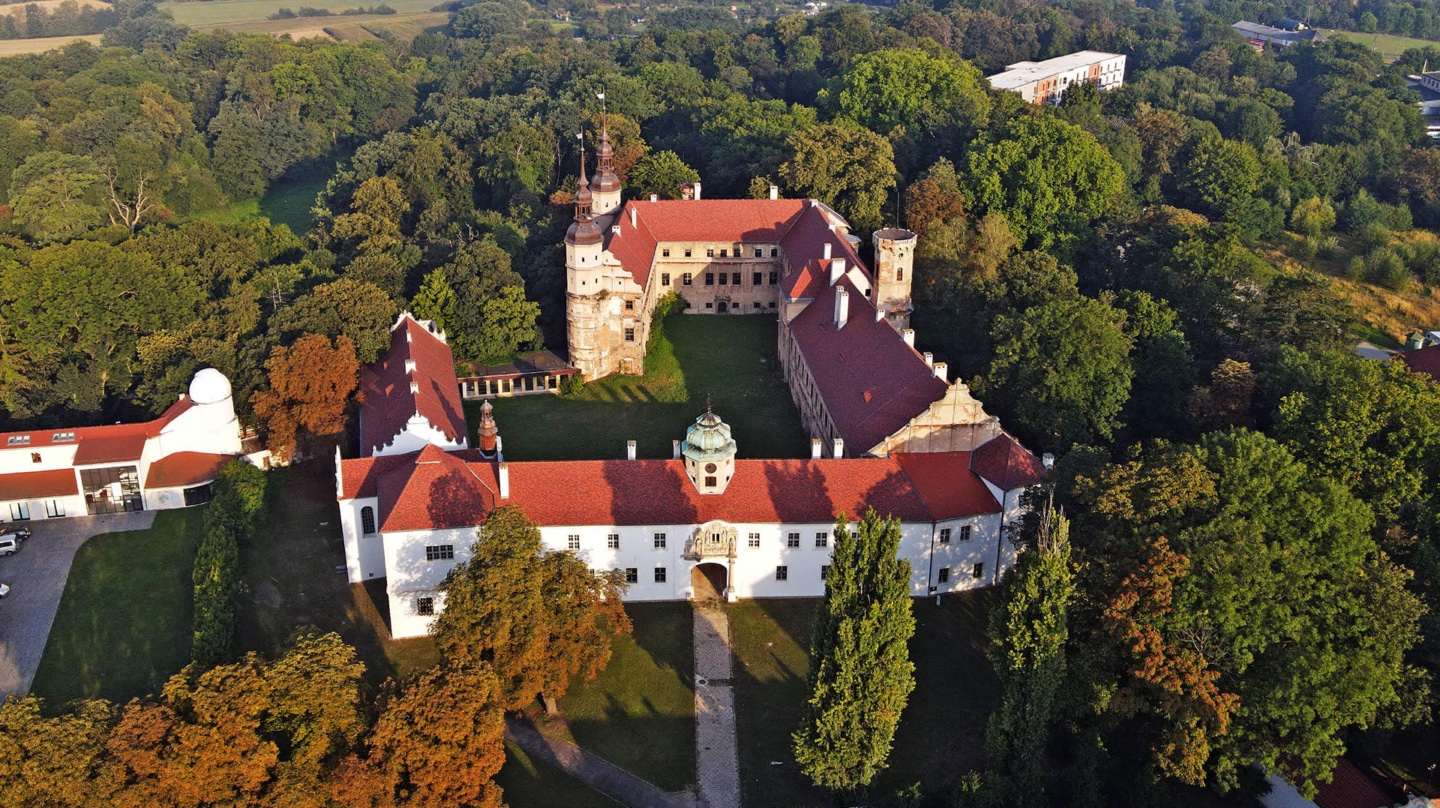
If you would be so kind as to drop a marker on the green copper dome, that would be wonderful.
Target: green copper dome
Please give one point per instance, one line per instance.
(708, 439)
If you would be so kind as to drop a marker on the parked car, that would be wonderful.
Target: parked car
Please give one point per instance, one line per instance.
(8, 545)
(4, 590)
(18, 533)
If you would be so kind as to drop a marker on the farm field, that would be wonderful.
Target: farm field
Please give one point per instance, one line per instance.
(250, 16)
(18, 47)
(47, 5)
(1388, 46)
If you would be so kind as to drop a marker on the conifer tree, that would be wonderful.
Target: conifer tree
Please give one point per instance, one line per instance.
(860, 672)
(1029, 657)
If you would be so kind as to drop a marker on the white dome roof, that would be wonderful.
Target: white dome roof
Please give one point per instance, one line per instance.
(209, 387)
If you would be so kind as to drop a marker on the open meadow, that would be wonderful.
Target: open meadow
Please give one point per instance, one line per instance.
(252, 16)
(1387, 45)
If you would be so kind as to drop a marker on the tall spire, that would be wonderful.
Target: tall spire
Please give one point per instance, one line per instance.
(606, 180)
(584, 230)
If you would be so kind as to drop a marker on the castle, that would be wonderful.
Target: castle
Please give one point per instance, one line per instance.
(888, 429)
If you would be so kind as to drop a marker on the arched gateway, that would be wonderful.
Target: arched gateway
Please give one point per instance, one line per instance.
(709, 581)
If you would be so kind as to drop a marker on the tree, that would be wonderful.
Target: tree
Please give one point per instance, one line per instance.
(1048, 177)
(845, 166)
(913, 90)
(310, 387)
(934, 197)
(485, 313)
(1031, 629)
(1061, 371)
(52, 761)
(661, 173)
(356, 310)
(1221, 177)
(860, 670)
(1312, 216)
(52, 195)
(537, 619)
(436, 301)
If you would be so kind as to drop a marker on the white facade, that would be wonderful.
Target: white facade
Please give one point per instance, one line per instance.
(1045, 82)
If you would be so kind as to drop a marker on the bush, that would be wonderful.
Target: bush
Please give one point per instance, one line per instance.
(1327, 246)
(232, 517)
(282, 14)
(1374, 236)
(1384, 267)
(1355, 270)
(573, 385)
(1422, 258)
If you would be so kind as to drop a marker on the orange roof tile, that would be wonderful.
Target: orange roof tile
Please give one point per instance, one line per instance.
(112, 442)
(1007, 464)
(436, 490)
(38, 484)
(185, 468)
(945, 482)
(386, 400)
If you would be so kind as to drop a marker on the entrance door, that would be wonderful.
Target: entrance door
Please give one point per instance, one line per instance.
(721, 306)
(709, 582)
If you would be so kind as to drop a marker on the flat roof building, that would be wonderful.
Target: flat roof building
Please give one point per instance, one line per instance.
(1044, 82)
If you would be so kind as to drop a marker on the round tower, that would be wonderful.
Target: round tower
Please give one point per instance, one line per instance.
(709, 453)
(894, 273)
(210, 426)
(584, 281)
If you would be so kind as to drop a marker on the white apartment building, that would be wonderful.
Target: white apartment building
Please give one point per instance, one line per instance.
(1044, 82)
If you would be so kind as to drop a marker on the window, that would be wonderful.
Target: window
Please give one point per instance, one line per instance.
(792, 540)
(664, 278)
(612, 541)
(978, 572)
(782, 573)
(20, 511)
(709, 305)
(757, 304)
(54, 508)
(62, 437)
(822, 539)
(774, 278)
(665, 253)
(944, 535)
(824, 571)
(944, 576)
(899, 273)
(572, 541)
(774, 251)
(367, 520)
(439, 552)
(758, 252)
(18, 440)
(629, 305)
(687, 279)
(34, 457)
(710, 482)
(724, 278)
(709, 278)
(629, 335)
(425, 606)
(659, 541)
(772, 304)
(659, 575)
(735, 278)
(964, 533)
(710, 253)
(724, 253)
(755, 281)
(687, 253)
(199, 495)
(632, 575)
(753, 540)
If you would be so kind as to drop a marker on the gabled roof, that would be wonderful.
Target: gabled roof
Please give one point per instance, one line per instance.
(1424, 360)
(435, 490)
(416, 376)
(185, 468)
(38, 484)
(945, 482)
(1350, 787)
(1007, 464)
(896, 386)
(113, 442)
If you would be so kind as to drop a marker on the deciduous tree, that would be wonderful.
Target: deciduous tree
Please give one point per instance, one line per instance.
(845, 166)
(310, 386)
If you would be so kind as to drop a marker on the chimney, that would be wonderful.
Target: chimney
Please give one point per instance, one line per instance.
(814, 448)
(629, 450)
(837, 269)
(839, 448)
(697, 189)
(774, 192)
(1047, 460)
(634, 217)
(909, 336)
(504, 480)
(826, 254)
(842, 307)
(654, 197)
(675, 448)
(500, 448)
(942, 371)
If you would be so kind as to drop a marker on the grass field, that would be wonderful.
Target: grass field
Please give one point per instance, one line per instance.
(731, 359)
(639, 713)
(123, 626)
(1390, 47)
(17, 47)
(533, 783)
(252, 16)
(46, 5)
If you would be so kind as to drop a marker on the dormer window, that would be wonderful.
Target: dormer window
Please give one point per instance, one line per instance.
(62, 437)
(18, 440)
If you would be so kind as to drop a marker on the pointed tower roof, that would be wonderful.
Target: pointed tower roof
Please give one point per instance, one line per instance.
(584, 230)
(488, 432)
(606, 180)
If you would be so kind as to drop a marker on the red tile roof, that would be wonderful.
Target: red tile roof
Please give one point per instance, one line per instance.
(1351, 788)
(895, 386)
(1424, 360)
(805, 243)
(185, 468)
(435, 490)
(118, 446)
(1007, 464)
(387, 402)
(38, 484)
(945, 482)
(113, 442)
(745, 220)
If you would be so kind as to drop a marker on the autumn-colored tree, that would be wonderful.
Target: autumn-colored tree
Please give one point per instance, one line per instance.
(537, 618)
(1229, 398)
(935, 197)
(52, 761)
(310, 386)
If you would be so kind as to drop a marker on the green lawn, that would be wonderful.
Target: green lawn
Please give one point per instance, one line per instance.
(1388, 46)
(533, 783)
(941, 734)
(224, 13)
(123, 626)
(640, 712)
(730, 359)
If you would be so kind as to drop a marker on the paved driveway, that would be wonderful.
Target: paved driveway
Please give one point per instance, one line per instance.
(36, 575)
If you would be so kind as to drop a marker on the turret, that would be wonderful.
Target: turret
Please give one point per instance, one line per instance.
(489, 433)
(709, 453)
(607, 182)
(584, 241)
(894, 273)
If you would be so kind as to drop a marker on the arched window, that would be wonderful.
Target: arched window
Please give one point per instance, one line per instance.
(367, 520)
